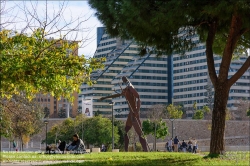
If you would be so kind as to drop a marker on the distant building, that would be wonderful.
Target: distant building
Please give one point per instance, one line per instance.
(58, 108)
(148, 74)
(192, 82)
(179, 79)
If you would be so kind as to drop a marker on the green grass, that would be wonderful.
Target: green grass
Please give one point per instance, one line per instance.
(130, 158)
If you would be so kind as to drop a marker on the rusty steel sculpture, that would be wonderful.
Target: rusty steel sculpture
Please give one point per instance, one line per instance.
(133, 120)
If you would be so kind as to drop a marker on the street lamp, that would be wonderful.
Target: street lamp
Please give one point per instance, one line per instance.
(81, 110)
(46, 123)
(112, 104)
(172, 120)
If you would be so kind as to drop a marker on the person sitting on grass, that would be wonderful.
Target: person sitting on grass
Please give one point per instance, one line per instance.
(77, 142)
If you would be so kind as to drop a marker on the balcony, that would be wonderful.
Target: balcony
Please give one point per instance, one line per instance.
(124, 74)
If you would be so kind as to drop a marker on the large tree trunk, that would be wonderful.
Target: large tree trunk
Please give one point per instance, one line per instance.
(221, 82)
(217, 145)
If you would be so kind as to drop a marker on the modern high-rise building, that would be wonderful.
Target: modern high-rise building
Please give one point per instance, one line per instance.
(192, 82)
(148, 74)
(181, 79)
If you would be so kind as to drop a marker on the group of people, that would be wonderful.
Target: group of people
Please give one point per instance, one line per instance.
(75, 144)
(174, 145)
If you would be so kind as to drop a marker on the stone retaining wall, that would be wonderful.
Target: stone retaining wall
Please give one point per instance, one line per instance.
(237, 132)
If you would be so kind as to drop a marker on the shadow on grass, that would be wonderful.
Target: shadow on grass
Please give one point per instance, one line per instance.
(146, 162)
(211, 156)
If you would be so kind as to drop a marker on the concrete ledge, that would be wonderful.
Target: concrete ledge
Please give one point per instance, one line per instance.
(115, 150)
(87, 150)
(227, 148)
(96, 150)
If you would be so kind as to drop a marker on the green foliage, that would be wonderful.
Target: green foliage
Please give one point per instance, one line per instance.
(199, 114)
(46, 112)
(206, 109)
(160, 127)
(62, 113)
(121, 132)
(228, 114)
(20, 125)
(174, 112)
(138, 147)
(5, 124)
(98, 131)
(33, 64)
(248, 113)
(65, 130)
(97, 113)
(160, 23)
(195, 106)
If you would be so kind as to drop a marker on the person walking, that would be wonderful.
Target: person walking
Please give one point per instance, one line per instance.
(176, 142)
(14, 146)
(184, 146)
(190, 146)
(194, 146)
(166, 146)
(170, 144)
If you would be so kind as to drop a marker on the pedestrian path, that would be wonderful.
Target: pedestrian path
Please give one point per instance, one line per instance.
(38, 163)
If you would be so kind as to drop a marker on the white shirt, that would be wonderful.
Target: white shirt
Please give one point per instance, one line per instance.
(170, 143)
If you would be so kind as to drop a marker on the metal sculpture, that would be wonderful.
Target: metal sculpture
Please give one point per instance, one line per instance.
(133, 120)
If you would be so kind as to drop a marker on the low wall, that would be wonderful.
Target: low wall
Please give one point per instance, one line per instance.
(161, 147)
(236, 134)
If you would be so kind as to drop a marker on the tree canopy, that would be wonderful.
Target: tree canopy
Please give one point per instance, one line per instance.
(22, 126)
(34, 64)
(98, 131)
(173, 112)
(170, 25)
(157, 129)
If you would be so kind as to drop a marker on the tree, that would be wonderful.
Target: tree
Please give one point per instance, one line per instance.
(97, 113)
(98, 131)
(158, 129)
(65, 130)
(248, 113)
(242, 106)
(173, 112)
(199, 114)
(33, 62)
(62, 113)
(154, 124)
(121, 132)
(23, 125)
(169, 26)
(46, 112)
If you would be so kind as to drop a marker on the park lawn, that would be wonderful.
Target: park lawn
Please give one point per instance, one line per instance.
(130, 158)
